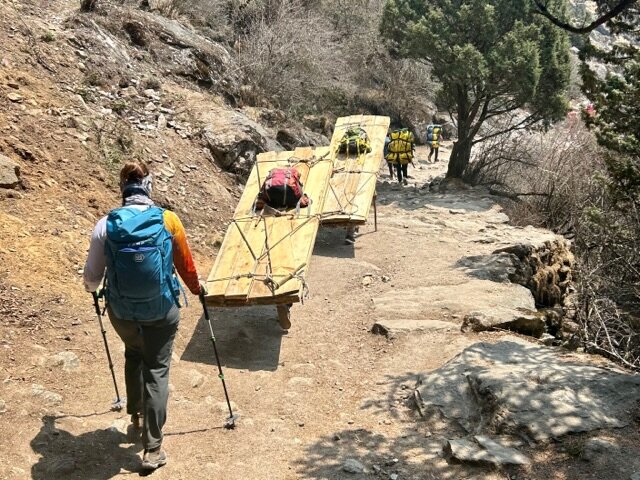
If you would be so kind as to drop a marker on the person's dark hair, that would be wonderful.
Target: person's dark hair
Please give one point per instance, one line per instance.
(133, 172)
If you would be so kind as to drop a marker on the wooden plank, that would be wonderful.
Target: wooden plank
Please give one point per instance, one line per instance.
(259, 288)
(352, 187)
(292, 242)
(216, 283)
(246, 263)
(290, 236)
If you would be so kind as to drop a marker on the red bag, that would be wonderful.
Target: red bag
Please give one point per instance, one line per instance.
(283, 189)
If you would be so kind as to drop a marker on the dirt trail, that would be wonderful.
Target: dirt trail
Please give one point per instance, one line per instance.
(326, 391)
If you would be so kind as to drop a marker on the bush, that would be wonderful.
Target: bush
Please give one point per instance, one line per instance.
(305, 56)
(562, 180)
(48, 37)
(88, 5)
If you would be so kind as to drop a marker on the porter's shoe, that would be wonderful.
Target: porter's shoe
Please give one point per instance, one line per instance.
(153, 459)
(284, 316)
(137, 421)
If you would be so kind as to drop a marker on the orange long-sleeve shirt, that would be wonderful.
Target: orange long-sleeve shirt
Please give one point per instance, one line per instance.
(182, 258)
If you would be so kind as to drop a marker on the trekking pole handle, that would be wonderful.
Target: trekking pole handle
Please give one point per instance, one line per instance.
(96, 303)
(204, 306)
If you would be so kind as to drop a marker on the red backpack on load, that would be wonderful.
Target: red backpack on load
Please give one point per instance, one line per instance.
(282, 189)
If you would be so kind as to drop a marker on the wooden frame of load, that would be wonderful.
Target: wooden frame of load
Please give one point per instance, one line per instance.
(264, 256)
(352, 187)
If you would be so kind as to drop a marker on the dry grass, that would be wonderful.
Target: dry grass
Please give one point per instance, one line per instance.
(559, 180)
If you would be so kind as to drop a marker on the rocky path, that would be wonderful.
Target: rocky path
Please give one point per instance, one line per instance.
(328, 400)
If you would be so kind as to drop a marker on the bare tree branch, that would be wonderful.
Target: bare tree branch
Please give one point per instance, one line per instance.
(617, 10)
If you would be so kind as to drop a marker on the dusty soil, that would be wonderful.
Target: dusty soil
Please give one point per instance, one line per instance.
(326, 391)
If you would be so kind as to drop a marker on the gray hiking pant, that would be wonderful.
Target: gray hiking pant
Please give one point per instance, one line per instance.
(147, 354)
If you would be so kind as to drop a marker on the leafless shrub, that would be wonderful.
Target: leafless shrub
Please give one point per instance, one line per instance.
(607, 328)
(88, 5)
(559, 180)
(547, 176)
(288, 54)
(305, 56)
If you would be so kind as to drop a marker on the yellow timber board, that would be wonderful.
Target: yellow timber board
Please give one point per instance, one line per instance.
(353, 183)
(261, 249)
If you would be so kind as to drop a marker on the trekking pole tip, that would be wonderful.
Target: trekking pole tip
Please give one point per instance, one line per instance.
(230, 424)
(118, 404)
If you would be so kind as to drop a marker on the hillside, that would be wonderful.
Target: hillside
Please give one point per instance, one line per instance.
(342, 395)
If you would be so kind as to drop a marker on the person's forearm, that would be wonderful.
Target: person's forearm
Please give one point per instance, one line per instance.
(95, 264)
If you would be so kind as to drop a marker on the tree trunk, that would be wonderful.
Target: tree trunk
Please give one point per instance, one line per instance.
(461, 152)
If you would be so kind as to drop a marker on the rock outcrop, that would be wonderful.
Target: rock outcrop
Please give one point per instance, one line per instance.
(9, 173)
(531, 392)
(292, 137)
(544, 267)
(234, 140)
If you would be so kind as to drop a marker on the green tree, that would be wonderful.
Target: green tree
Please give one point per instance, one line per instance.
(494, 58)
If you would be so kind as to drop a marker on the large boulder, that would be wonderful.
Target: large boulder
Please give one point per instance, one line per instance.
(294, 137)
(515, 388)
(9, 173)
(503, 305)
(189, 54)
(235, 140)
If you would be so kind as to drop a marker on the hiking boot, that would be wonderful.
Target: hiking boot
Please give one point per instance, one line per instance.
(405, 182)
(153, 459)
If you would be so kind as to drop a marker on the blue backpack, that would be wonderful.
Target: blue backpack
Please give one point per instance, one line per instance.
(434, 136)
(141, 284)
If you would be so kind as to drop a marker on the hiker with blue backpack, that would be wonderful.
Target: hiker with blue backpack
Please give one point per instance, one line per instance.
(140, 247)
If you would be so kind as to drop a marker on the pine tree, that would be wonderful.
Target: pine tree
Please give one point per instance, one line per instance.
(493, 59)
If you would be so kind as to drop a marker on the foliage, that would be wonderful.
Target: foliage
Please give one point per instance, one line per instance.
(48, 37)
(492, 57)
(562, 180)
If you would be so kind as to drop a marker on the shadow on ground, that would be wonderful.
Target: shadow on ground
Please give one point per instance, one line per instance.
(96, 455)
(330, 243)
(247, 338)
(414, 450)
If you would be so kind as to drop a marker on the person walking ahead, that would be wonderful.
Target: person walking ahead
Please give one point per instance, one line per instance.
(385, 151)
(434, 137)
(400, 152)
(141, 246)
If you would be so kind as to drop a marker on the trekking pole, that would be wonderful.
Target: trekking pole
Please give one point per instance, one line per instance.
(230, 424)
(119, 403)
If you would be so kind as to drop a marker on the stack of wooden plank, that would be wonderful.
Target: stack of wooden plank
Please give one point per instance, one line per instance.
(263, 257)
(353, 183)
